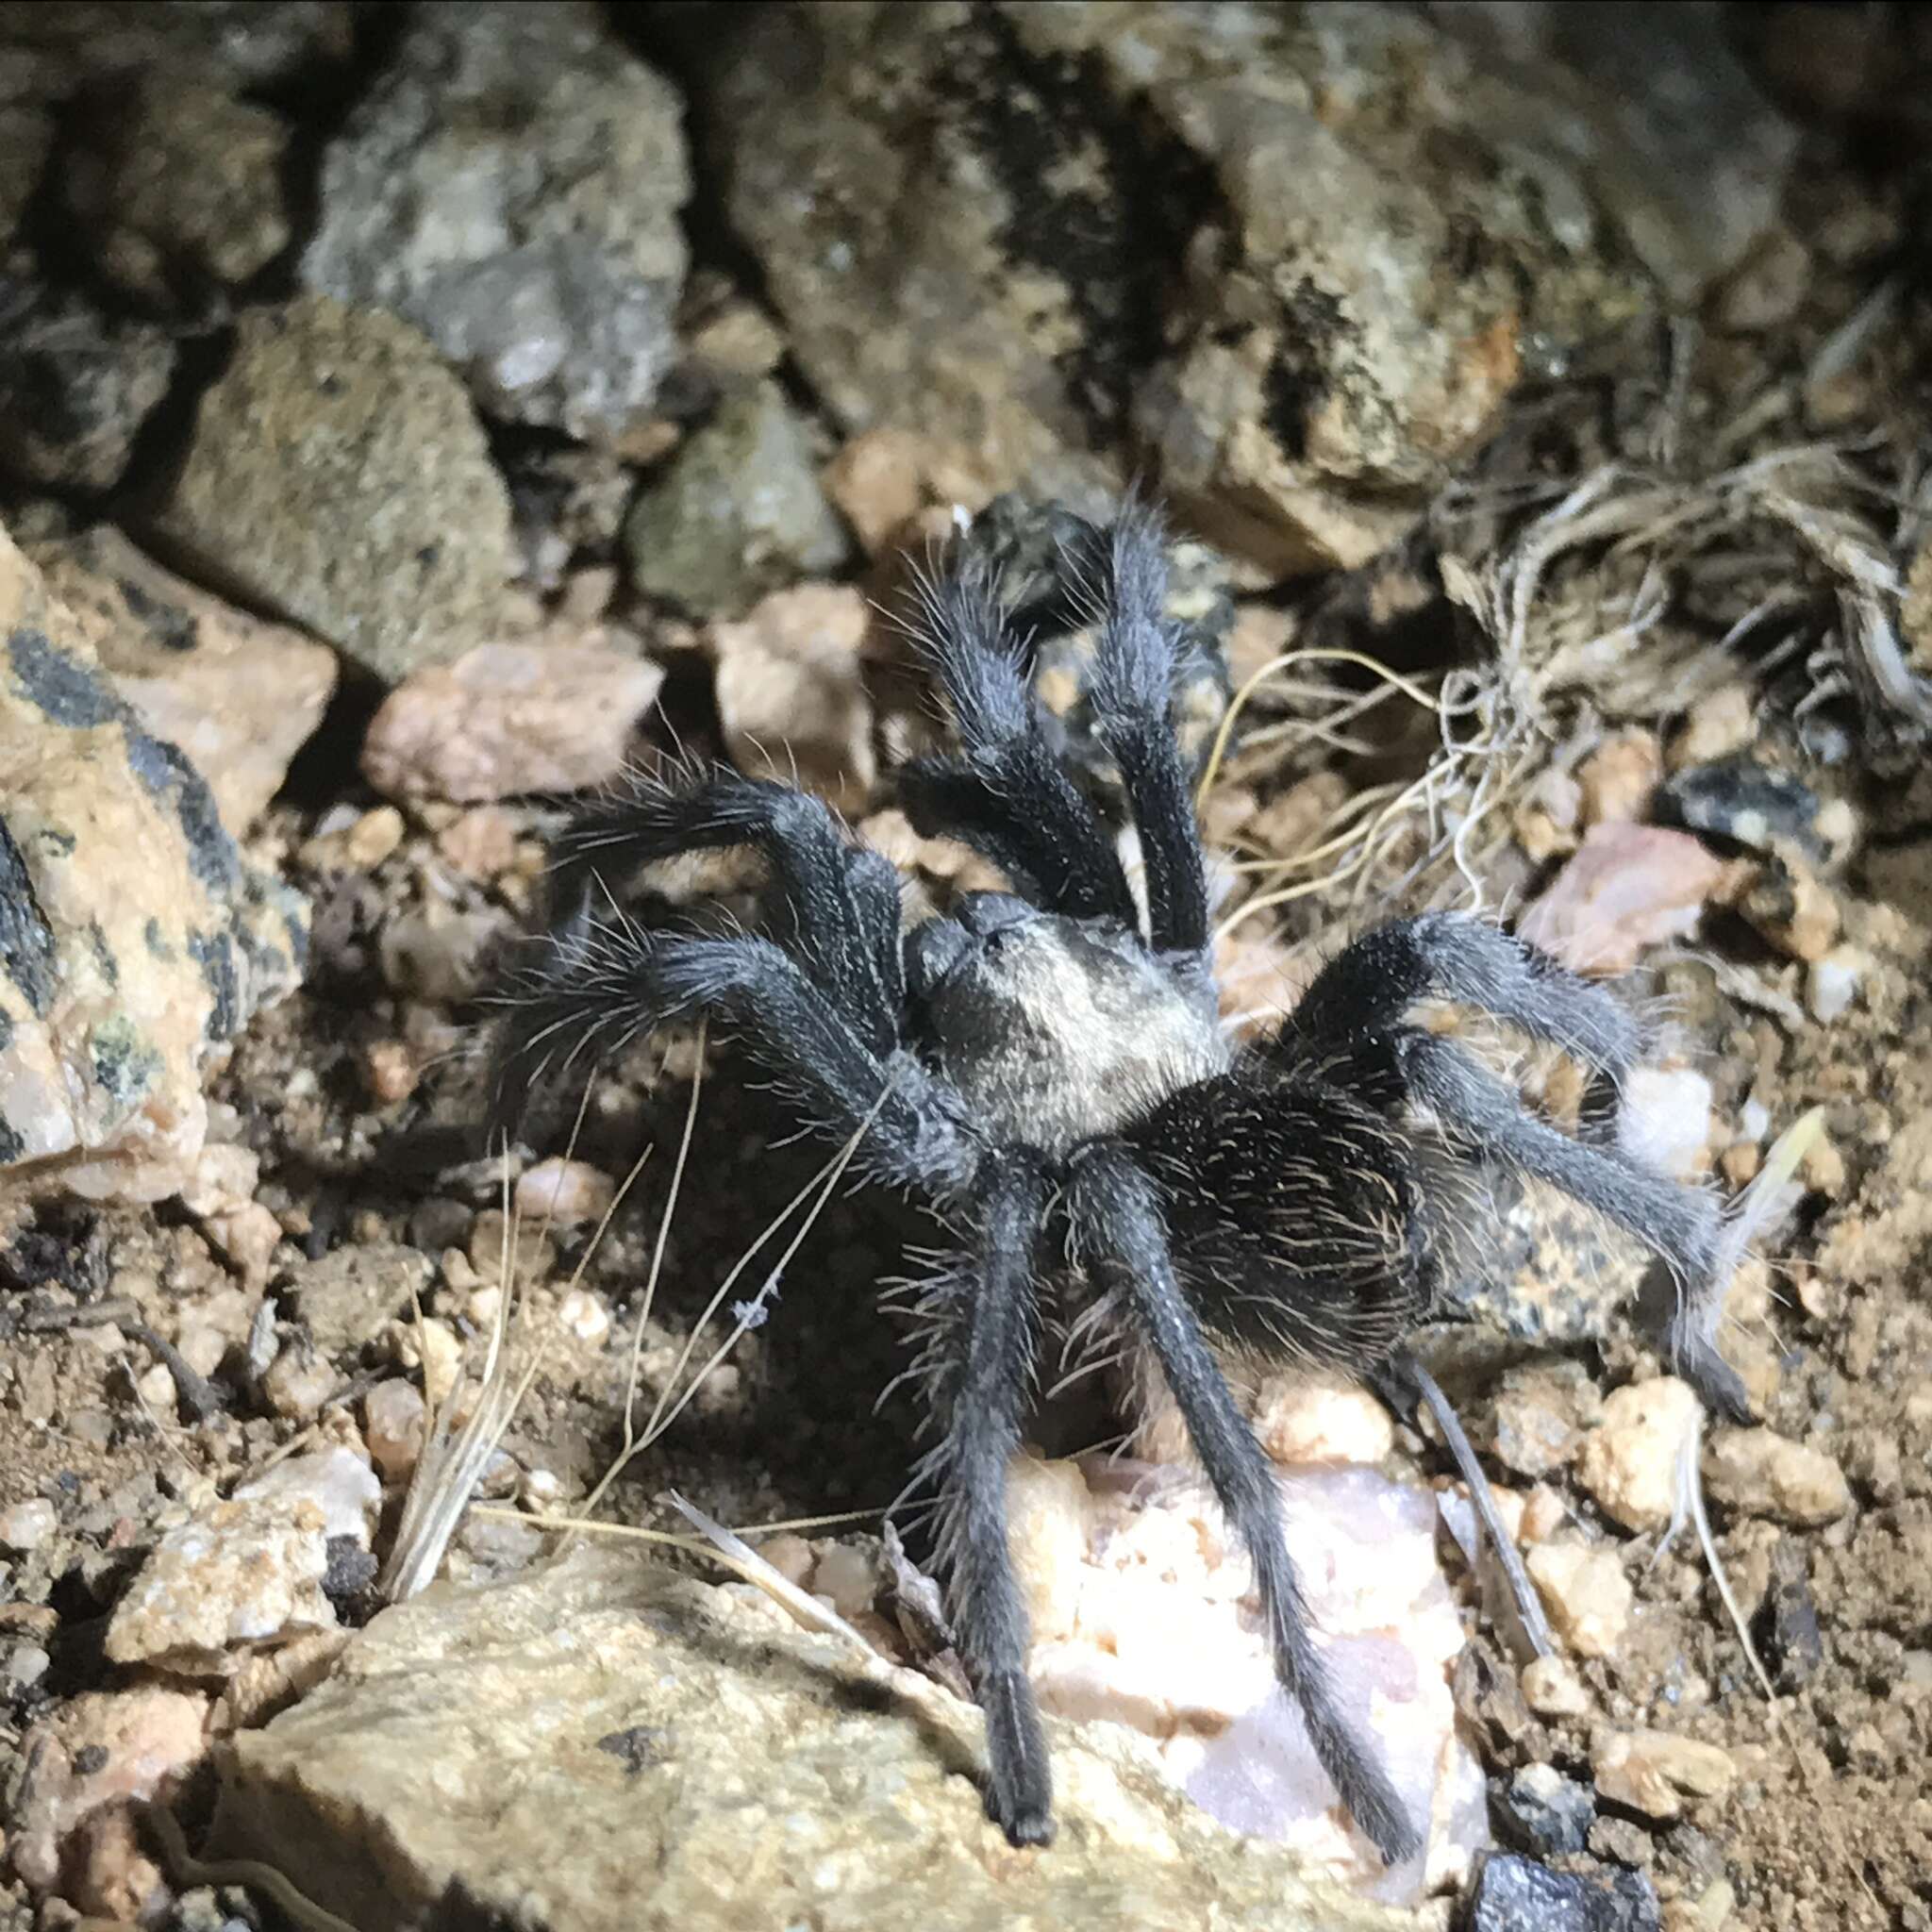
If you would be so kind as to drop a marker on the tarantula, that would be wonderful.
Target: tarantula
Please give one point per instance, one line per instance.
(1046, 1067)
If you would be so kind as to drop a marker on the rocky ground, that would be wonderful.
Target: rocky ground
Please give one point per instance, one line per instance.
(411, 416)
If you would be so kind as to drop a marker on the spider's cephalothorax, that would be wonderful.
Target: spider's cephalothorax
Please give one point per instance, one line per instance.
(1047, 1069)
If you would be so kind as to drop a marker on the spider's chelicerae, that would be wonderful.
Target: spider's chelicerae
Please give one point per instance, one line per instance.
(1048, 1070)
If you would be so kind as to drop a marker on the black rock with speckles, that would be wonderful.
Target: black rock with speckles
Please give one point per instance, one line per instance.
(1515, 1894)
(1543, 1811)
(1786, 1627)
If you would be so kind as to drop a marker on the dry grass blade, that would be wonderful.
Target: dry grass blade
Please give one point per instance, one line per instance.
(453, 1459)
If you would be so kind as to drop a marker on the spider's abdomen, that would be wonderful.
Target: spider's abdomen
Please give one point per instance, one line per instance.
(1296, 1215)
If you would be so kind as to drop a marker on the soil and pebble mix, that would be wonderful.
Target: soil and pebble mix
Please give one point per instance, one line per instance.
(411, 417)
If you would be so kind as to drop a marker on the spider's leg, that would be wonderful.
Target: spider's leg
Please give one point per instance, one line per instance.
(1366, 989)
(595, 988)
(1680, 1226)
(1132, 692)
(1007, 795)
(838, 903)
(1120, 1235)
(984, 1384)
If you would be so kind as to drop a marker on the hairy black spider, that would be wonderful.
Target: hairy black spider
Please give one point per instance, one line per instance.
(1049, 1071)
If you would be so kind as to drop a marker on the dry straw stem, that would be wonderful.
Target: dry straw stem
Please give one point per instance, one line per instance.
(453, 1459)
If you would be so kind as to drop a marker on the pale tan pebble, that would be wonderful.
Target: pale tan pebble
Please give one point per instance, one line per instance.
(394, 1421)
(1258, 979)
(1617, 779)
(1302, 1421)
(1715, 727)
(482, 843)
(156, 1388)
(550, 713)
(1586, 1593)
(246, 1238)
(1739, 1162)
(1552, 1688)
(877, 484)
(1795, 910)
(483, 1304)
(587, 593)
(25, 1526)
(1544, 1512)
(1654, 1772)
(434, 952)
(1831, 982)
(1227, 808)
(335, 1478)
(226, 1178)
(390, 1072)
(1538, 834)
(584, 1315)
(1629, 1462)
(564, 1193)
(790, 1555)
(1539, 1412)
(202, 1345)
(458, 1272)
(359, 844)
(540, 1490)
(299, 1381)
(847, 1577)
(1763, 1473)
(432, 1346)
(891, 832)
(792, 695)
(527, 1258)
(1046, 1516)
(1823, 1168)
(240, 1573)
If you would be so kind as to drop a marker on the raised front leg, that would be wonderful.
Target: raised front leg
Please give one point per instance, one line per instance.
(1007, 794)
(1132, 692)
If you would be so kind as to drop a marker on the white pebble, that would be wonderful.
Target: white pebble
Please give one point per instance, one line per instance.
(563, 1192)
(584, 1315)
(1666, 1118)
(1832, 983)
(1754, 1120)
(26, 1525)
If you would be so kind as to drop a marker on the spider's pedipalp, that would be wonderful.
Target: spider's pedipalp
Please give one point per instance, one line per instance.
(838, 903)
(1008, 796)
(1119, 1236)
(985, 1377)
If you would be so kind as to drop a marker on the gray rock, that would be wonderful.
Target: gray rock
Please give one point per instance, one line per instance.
(737, 512)
(53, 49)
(75, 386)
(348, 1296)
(178, 189)
(336, 473)
(1546, 1812)
(708, 1766)
(1306, 253)
(134, 941)
(511, 187)
(1656, 112)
